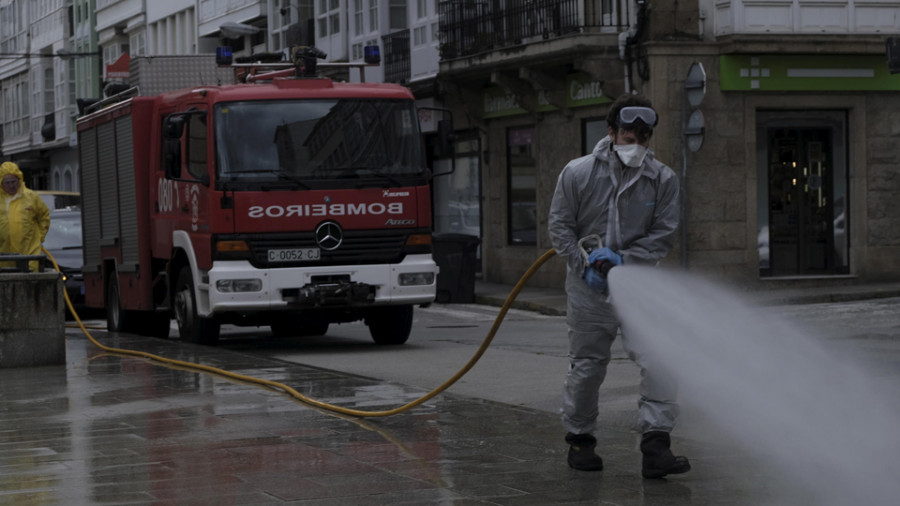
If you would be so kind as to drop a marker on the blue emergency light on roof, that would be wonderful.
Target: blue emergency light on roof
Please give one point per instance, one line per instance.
(223, 55)
(372, 54)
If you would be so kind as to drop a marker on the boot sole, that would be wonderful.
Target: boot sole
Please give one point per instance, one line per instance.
(595, 467)
(662, 474)
(591, 468)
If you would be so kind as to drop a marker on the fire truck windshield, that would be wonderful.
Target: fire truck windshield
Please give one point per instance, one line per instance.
(274, 143)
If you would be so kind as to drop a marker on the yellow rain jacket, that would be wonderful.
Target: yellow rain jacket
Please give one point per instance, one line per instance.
(24, 219)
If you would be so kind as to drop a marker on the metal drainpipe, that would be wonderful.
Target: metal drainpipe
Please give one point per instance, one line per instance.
(623, 45)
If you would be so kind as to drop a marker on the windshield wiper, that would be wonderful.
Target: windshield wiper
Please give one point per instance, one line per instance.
(392, 180)
(291, 177)
(282, 176)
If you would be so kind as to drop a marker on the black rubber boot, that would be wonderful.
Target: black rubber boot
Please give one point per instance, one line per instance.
(581, 452)
(658, 458)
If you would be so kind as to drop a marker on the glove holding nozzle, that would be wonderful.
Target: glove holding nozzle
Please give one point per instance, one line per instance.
(604, 259)
(594, 280)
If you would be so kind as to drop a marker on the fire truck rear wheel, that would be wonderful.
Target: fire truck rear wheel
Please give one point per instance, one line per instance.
(117, 319)
(191, 327)
(390, 324)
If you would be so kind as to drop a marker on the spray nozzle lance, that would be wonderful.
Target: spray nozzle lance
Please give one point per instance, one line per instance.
(589, 243)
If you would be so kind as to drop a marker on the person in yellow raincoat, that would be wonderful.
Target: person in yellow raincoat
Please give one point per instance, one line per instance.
(24, 217)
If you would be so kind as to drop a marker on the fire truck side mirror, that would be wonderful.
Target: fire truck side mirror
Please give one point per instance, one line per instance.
(173, 127)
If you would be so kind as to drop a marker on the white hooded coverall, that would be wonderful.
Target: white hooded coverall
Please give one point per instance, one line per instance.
(636, 212)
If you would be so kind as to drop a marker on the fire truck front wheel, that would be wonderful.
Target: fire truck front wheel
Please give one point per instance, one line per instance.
(390, 324)
(191, 327)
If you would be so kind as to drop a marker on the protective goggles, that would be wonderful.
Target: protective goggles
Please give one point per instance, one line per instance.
(628, 116)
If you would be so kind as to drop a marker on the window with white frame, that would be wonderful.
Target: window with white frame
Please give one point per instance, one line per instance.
(16, 106)
(356, 52)
(397, 15)
(110, 54)
(12, 27)
(421, 9)
(138, 44)
(335, 21)
(373, 15)
(329, 18)
(420, 35)
(61, 84)
(49, 97)
(305, 9)
(37, 78)
(282, 15)
(358, 27)
(70, 68)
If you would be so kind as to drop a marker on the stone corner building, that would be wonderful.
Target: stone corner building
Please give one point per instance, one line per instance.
(796, 179)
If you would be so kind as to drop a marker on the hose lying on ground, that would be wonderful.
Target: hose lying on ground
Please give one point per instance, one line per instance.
(312, 402)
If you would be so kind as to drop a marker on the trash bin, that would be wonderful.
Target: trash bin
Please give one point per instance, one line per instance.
(455, 255)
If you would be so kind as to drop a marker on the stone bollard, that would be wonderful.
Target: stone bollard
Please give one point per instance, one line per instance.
(32, 319)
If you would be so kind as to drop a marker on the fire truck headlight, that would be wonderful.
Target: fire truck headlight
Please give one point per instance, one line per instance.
(238, 285)
(416, 278)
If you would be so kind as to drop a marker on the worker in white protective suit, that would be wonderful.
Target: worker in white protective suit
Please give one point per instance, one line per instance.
(621, 193)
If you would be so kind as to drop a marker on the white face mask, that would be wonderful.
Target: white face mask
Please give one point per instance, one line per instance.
(631, 155)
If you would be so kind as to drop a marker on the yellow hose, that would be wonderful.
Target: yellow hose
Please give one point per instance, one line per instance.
(312, 402)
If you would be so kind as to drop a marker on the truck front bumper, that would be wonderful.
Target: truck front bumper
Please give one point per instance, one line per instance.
(237, 286)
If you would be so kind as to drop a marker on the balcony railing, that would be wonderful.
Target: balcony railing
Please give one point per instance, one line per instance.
(396, 57)
(473, 26)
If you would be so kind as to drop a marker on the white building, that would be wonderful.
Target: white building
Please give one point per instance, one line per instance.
(55, 53)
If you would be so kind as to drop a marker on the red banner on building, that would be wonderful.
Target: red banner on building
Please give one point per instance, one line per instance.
(119, 69)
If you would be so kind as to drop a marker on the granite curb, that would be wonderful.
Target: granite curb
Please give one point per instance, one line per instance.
(552, 302)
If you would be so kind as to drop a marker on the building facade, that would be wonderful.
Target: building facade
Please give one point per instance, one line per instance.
(792, 180)
(57, 55)
(795, 176)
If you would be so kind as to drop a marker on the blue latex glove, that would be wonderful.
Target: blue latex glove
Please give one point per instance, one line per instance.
(599, 255)
(594, 279)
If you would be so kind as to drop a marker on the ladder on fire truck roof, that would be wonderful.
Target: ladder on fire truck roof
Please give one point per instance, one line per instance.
(303, 63)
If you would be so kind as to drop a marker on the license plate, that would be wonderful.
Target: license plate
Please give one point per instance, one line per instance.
(293, 254)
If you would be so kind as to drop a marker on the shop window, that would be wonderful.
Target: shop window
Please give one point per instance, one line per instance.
(457, 196)
(802, 187)
(521, 195)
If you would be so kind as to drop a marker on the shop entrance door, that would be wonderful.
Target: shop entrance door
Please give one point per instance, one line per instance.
(803, 193)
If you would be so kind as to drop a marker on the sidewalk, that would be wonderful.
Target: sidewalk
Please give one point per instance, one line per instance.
(109, 429)
(551, 301)
(116, 430)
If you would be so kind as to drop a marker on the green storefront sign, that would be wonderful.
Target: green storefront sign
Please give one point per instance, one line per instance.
(769, 72)
(497, 102)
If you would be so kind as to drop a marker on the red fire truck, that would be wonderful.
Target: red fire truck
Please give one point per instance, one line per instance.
(292, 202)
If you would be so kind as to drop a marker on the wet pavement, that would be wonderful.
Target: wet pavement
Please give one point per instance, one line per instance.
(110, 429)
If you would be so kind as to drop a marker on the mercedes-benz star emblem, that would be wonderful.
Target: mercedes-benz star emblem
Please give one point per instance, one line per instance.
(329, 235)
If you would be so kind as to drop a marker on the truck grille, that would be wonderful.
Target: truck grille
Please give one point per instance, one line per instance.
(357, 247)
